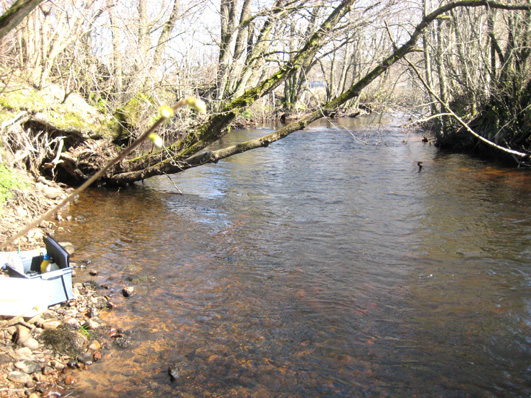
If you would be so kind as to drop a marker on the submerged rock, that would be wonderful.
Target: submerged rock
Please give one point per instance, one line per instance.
(181, 370)
(86, 358)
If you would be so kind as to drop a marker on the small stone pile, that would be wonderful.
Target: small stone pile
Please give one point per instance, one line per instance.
(40, 357)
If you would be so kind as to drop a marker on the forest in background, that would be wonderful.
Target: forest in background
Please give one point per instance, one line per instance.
(80, 79)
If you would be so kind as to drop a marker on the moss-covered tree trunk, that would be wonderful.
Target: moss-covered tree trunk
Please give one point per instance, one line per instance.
(216, 126)
(15, 14)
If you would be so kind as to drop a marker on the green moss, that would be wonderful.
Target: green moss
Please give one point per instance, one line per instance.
(64, 341)
(8, 181)
(22, 99)
(69, 121)
(131, 112)
(60, 115)
(246, 114)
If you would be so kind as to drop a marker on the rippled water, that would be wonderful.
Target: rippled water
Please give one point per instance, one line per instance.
(325, 265)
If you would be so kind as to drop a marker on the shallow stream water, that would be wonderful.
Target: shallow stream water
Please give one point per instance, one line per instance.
(325, 265)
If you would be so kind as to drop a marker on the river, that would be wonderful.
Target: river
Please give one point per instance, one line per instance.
(326, 265)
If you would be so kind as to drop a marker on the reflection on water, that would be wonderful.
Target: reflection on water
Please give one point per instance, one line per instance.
(323, 266)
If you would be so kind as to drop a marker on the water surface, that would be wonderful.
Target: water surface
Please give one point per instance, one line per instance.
(325, 265)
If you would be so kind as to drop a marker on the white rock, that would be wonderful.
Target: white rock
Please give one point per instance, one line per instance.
(52, 193)
(23, 334)
(24, 353)
(32, 344)
(51, 324)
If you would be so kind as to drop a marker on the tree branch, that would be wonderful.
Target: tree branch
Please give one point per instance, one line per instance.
(16, 13)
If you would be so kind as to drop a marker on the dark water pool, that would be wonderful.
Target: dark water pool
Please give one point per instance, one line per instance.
(325, 265)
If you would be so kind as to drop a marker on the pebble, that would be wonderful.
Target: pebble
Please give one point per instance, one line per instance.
(93, 312)
(95, 345)
(4, 358)
(28, 367)
(24, 353)
(53, 392)
(52, 193)
(92, 324)
(51, 324)
(181, 370)
(58, 365)
(70, 379)
(71, 321)
(128, 291)
(23, 334)
(86, 358)
(19, 377)
(69, 247)
(32, 344)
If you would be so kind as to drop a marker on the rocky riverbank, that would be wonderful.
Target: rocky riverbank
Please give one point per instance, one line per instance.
(42, 356)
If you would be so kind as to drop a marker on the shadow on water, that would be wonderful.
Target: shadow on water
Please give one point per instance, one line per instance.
(325, 265)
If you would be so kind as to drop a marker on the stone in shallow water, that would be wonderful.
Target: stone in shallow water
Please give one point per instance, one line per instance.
(86, 358)
(181, 370)
(54, 391)
(70, 379)
(97, 356)
(95, 345)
